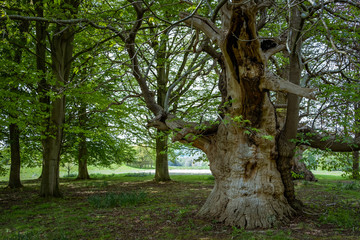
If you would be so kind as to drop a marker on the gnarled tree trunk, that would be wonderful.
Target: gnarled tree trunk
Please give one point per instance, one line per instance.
(248, 189)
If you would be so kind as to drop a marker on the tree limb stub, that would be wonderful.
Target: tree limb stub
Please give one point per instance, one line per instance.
(328, 142)
(276, 83)
(203, 24)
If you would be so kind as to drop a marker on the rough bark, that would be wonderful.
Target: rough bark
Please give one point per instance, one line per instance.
(249, 190)
(14, 178)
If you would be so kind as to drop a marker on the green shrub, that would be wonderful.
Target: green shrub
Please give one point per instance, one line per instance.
(117, 199)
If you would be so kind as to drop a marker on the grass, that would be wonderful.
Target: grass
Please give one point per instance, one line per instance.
(117, 199)
(132, 206)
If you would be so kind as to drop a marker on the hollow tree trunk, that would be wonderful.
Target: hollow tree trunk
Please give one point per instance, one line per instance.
(249, 190)
(14, 178)
(162, 169)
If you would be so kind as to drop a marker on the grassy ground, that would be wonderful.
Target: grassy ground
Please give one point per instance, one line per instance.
(132, 206)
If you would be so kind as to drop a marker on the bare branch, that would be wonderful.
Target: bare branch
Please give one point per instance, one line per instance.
(276, 83)
(203, 24)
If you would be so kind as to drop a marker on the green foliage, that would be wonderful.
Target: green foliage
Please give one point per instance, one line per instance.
(117, 199)
(297, 175)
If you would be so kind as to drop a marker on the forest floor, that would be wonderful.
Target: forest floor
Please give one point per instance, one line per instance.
(132, 206)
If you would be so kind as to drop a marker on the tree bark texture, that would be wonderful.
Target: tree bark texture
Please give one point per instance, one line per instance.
(61, 55)
(249, 189)
(83, 152)
(14, 178)
(285, 146)
(162, 169)
(161, 165)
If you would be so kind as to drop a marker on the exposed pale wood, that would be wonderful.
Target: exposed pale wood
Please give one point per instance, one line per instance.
(276, 83)
(205, 25)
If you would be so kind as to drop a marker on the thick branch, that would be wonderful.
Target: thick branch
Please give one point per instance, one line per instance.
(196, 134)
(276, 83)
(203, 24)
(326, 141)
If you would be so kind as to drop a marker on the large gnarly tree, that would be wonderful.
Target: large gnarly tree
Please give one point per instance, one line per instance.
(249, 151)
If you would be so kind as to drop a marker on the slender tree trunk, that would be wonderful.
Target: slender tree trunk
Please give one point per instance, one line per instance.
(285, 146)
(83, 152)
(43, 86)
(161, 165)
(14, 179)
(61, 55)
(50, 175)
(355, 167)
(162, 169)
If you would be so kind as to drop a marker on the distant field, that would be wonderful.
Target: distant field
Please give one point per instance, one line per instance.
(34, 173)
